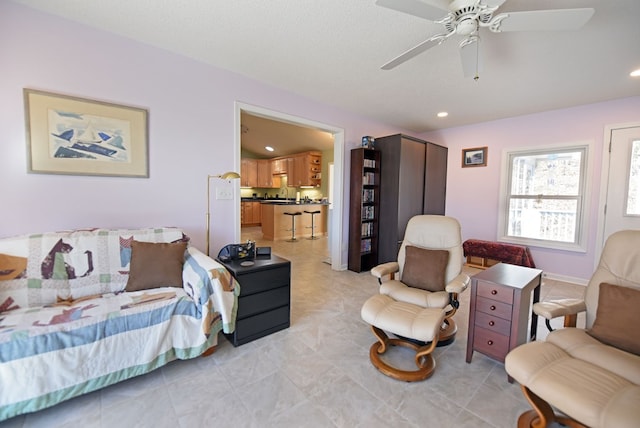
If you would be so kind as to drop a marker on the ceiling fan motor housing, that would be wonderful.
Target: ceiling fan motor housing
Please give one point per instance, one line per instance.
(466, 15)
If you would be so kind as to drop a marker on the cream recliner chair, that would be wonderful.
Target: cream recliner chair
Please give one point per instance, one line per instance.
(591, 375)
(433, 232)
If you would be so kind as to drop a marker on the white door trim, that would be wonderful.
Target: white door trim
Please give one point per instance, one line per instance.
(338, 160)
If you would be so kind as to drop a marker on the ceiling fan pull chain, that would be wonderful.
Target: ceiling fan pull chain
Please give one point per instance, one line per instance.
(477, 76)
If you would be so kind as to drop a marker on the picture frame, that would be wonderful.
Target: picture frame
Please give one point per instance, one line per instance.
(79, 136)
(476, 156)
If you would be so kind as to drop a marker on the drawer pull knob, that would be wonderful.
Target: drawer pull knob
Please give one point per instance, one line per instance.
(492, 307)
(492, 323)
(490, 342)
(494, 292)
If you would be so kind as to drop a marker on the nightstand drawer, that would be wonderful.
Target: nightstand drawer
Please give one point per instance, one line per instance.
(261, 323)
(495, 292)
(491, 343)
(256, 282)
(493, 323)
(493, 307)
(257, 303)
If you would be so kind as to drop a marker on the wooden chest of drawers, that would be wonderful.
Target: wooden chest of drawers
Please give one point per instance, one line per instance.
(501, 299)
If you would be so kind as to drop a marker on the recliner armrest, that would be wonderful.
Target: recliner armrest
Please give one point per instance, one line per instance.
(384, 269)
(458, 284)
(559, 308)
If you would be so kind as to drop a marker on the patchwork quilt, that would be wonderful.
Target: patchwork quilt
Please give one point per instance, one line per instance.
(66, 320)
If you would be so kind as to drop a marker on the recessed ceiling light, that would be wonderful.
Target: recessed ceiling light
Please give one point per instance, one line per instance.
(443, 114)
(635, 73)
(268, 148)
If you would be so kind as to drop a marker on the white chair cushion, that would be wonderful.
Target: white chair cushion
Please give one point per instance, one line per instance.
(426, 299)
(591, 382)
(403, 319)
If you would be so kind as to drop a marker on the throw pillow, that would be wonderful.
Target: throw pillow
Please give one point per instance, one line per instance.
(617, 317)
(155, 265)
(424, 268)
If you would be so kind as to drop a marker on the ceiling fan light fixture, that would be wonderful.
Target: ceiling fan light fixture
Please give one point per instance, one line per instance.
(635, 73)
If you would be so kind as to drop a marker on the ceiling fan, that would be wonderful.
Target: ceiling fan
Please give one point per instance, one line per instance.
(466, 17)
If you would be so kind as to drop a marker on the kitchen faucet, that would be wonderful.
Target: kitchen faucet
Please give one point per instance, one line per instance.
(285, 192)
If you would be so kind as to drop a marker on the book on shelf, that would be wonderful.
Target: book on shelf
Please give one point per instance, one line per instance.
(365, 246)
(368, 213)
(367, 229)
(368, 195)
(369, 163)
(368, 178)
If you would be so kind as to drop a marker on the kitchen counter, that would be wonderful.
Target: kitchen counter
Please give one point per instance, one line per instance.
(276, 225)
(282, 201)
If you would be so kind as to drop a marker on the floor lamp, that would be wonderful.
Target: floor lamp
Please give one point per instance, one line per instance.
(226, 176)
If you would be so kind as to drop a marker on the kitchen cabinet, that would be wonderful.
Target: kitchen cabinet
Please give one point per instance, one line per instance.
(279, 166)
(265, 176)
(306, 170)
(413, 179)
(249, 173)
(364, 209)
(250, 213)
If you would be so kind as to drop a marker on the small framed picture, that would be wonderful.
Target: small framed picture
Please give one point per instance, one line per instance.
(476, 156)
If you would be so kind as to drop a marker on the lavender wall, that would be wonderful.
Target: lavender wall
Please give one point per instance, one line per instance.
(191, 111)
(191, 120)
(472, 193)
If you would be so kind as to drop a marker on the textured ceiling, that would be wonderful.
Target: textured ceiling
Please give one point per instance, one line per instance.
(332, 50)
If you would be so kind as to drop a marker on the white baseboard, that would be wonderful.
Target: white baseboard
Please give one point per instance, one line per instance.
(565, 278)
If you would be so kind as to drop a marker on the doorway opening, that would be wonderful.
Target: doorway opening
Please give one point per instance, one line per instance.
(336, 189)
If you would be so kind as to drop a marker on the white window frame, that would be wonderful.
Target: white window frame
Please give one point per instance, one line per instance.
(580, 244)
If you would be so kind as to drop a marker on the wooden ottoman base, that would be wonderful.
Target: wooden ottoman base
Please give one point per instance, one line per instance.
(416, 328)
(424, 360)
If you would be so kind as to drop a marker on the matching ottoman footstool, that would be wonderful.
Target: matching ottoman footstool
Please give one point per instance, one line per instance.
(411, 324)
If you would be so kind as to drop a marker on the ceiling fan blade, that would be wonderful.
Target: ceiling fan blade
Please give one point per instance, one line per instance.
(471, 57)
(414, 51)
(545, 20)
(433, 12)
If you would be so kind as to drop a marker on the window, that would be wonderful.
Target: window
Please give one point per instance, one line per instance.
(543, 197)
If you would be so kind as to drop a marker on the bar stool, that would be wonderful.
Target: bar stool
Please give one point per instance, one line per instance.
(293, 226)
(313, 213)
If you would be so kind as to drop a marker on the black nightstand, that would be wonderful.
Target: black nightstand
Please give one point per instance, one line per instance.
(265, 297)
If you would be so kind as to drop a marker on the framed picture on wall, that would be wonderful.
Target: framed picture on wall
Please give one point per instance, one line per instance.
(476, 156)
(78, 136)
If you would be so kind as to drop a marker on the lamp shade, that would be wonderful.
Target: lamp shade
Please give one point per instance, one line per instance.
(229, 175)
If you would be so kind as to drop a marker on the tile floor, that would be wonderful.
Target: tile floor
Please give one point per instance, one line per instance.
(315, 374)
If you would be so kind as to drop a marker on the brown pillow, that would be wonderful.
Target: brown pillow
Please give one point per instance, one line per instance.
(155, 265)
(618, 318)
(425, 268)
